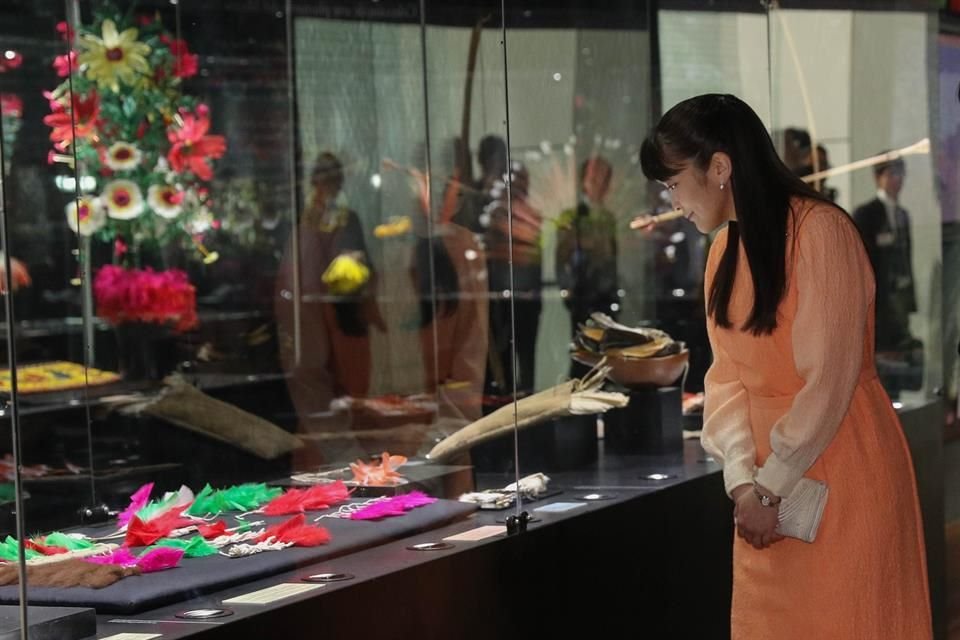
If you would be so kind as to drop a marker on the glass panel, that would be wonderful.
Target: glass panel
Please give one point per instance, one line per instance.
(847, 97)
(579, 99)
(50, 451)
(828, 95)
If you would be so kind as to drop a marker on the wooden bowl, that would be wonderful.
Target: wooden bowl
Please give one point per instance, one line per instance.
(639, 372)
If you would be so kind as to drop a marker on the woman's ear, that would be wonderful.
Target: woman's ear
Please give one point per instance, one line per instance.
(720, 167)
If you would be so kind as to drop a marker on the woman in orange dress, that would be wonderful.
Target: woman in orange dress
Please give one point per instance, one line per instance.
(793, 391)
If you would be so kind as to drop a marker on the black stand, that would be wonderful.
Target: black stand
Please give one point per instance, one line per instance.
(651, 423)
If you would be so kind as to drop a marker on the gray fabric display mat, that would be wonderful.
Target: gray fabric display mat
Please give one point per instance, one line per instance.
(196, 576)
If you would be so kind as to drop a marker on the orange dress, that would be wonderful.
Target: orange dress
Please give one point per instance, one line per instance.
(806, 401)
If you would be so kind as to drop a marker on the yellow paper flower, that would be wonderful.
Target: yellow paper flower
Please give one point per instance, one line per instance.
(123, 156)
(115, 57)
(123, 199)
(85, 216)
(165, 200)
(345, 275)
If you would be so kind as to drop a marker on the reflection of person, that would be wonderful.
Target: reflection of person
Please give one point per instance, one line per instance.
(492, 156)
(586, 255)
(527, 281)
(797, 156)
(793, 391)
(337, 306)
(453, 322)
(885, 227)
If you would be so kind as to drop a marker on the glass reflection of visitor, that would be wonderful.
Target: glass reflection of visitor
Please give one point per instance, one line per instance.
(885, 227)
(586, 255)
(336, 312)
(524, 238)
(453, 320)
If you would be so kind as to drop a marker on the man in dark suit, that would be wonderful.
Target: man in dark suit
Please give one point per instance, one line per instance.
(885, 227)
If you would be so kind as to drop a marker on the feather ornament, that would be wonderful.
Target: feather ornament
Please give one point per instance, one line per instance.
(143, 534)
(70, 543)
(296, 531)
(213, 530)
(244, 497)
(138, 501)
(156, 559)
(392, 507)
(312, 499)
(159, 559)
(195, 547)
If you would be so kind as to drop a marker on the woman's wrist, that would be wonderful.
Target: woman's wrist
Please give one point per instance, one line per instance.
(766, 497)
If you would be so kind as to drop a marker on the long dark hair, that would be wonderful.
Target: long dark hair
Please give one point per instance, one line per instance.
(762, 186)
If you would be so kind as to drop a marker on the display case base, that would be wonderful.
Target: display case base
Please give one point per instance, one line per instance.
(48, 623)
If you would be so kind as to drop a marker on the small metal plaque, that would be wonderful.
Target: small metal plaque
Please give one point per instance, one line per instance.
(596, 496)
(430, 546)
(204, 614)
(328, 577)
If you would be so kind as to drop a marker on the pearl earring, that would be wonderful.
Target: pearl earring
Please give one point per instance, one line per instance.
(721, 186)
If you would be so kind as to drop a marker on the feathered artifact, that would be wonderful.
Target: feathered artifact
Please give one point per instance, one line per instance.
(574, 397)
(195, 547)
(383, 474)
(394, 506)
(138, 501)
(299, 500)
(143, 534)
(244, 497)
(295, 531)
(170, 501)
(212, 530)
(156, 559)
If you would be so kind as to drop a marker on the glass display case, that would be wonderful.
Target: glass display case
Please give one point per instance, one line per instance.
(293, 287)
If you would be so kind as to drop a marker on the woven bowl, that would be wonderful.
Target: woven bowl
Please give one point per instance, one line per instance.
(639, 372)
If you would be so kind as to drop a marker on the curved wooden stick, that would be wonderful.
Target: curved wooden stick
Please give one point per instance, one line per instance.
(918, 148)
(646, 220)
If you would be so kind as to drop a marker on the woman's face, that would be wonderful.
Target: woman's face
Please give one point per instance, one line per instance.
(700, 195)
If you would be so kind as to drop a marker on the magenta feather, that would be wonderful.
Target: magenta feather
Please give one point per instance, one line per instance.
(391, 507)
(159, 559)
(121, 556)
(138, 500)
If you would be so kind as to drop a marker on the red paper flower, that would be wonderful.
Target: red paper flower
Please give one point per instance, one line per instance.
(65, 31)
(65, 64)
(134, 295)
(192, 148)
(185, 64)
(79, 121)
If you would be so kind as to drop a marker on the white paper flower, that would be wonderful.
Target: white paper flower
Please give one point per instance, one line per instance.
(165, 200)
(85, 215)
(123, 156)
(123, 199)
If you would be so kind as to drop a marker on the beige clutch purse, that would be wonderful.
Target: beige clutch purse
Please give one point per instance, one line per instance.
(801, 511)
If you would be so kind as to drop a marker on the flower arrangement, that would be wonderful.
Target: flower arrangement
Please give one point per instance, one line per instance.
(120, 114)
(144, 295)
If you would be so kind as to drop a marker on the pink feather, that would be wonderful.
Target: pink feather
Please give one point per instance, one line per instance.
(121, 556)
(159, 559)
(395, 506)
(138, 500)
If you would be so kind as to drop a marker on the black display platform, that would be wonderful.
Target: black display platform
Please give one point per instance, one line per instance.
(48, 623)
(196, 576)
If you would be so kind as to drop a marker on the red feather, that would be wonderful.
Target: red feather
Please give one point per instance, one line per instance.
(214, 530)
(141, 534)
(296, 531)
(324, 496)
(289, 502)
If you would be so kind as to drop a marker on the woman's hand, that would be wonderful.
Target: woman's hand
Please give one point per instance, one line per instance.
(755, 523)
